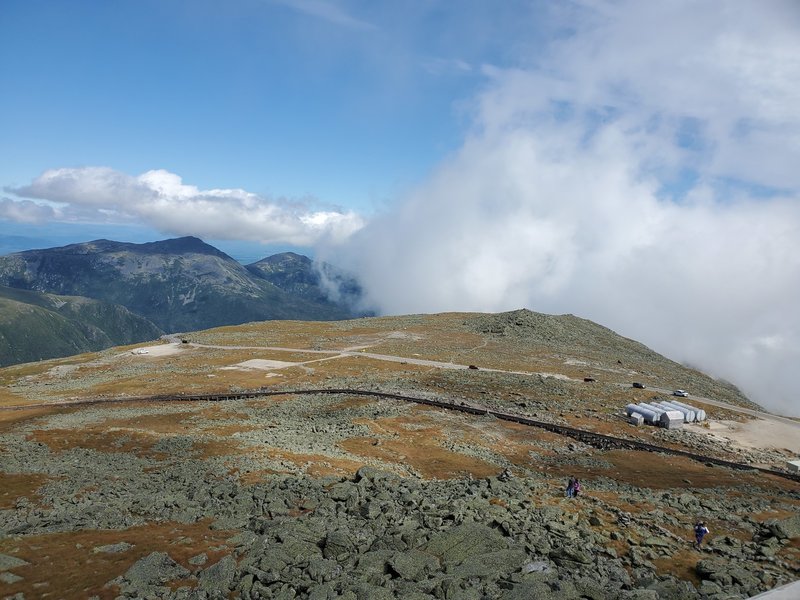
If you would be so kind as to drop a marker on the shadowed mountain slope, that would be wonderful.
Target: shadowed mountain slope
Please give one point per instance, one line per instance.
(299, 275)
(180, 284)
(36, 326)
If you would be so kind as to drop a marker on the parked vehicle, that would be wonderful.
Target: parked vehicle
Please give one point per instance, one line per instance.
(589, 379)
(636, 384)
(681, 393)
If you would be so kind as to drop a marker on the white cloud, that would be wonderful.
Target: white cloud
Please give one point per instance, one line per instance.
(161, 200)
(612, 177)
(25, 211)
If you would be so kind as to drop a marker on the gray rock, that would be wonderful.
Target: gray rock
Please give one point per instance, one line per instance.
(745, 578)
(529, 590)
(9, 578)
(458, 543)
(366, 473)
(638, 595)
(493, 564)
(596, 588)
(322, 570)
(366, 591)
(10, 562)
(414, 564)
(219, 576)
(113, 548)
(154, 569)
(297, 551)
(656, 541)
(672, 589)
(709, 588)
(712, 569)
(339, 544)
(343, 491)
(199, 560)
(567, 556)
(784, 528)
(322, 592)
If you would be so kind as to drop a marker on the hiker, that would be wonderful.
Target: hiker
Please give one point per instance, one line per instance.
(700, 531)
(576, 488)
(571, 487)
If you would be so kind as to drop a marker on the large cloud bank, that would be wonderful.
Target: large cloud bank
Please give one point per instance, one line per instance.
(641, 173)
(162, 201)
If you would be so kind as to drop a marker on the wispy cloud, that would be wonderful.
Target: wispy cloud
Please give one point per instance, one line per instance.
(327, 10)
(437, 66)
(162, 201)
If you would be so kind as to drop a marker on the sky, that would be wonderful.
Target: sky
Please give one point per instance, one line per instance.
(634, 163)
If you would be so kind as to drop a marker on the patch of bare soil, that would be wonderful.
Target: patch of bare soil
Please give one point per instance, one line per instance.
(756, 433)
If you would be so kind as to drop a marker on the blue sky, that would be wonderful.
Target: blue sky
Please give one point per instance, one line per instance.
(276, 98)
(635, 163)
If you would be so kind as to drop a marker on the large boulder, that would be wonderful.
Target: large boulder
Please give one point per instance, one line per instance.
(414, 564)
(457, 544)
(783, 528)
(149, 575)
(218, 576)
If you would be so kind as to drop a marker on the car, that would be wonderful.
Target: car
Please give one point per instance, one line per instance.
(638, 385)
(473, 367)
(589, 379)
(681, 393)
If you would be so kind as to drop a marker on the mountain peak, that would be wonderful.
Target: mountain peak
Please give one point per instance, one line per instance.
(284, 259)
(182, 245)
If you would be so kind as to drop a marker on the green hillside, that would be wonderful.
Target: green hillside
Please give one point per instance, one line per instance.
(36, 326)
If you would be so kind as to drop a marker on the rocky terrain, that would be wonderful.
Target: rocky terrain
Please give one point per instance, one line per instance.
(311, 495)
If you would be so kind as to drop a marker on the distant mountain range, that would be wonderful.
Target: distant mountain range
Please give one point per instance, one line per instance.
(134, 292)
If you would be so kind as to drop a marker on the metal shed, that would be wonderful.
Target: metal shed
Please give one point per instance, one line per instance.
(672, 419)
(636, 418)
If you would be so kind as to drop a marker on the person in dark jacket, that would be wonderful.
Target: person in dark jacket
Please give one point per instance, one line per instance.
(700, 531)
(571, 487)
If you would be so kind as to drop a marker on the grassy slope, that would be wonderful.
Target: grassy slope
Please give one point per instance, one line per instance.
(36, 326)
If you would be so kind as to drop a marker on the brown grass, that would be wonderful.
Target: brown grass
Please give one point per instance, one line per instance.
(134, 442)
(661, 471)
(772, 513)
(681, 564)
(16, 485)
(11, 418)
(63, 565)
(416, 441)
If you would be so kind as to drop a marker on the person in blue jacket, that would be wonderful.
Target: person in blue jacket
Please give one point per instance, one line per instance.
(700, 531)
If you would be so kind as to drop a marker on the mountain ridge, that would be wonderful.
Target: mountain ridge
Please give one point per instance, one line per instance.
(36, 326)
(181, 284)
